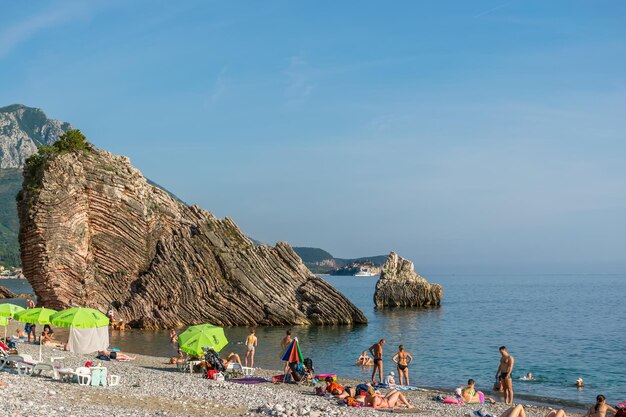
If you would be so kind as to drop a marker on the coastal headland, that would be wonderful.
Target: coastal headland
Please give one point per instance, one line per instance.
(94, 232)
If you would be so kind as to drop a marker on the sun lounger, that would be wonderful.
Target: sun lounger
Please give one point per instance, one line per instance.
(21, 362)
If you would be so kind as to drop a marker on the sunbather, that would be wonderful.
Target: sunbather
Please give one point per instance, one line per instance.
(470, 395)
(390, 400)
(116, 355)
(338, 390)
(518, 411)
(232, 358)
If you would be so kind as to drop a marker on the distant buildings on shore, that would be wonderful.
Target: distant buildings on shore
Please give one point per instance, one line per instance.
(10, 273)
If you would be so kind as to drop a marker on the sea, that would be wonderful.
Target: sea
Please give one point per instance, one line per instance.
(559, 327)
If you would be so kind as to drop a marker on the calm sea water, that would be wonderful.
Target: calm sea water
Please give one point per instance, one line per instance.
(558, 327)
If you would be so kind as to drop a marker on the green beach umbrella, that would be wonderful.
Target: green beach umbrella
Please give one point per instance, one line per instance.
(4, 321)
(9, 310)
(39, 315)
(195, 338)
(79, 317)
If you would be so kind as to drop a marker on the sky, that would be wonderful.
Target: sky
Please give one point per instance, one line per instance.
(468, 136)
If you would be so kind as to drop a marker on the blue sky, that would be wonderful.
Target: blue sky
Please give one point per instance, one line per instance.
(482, 136)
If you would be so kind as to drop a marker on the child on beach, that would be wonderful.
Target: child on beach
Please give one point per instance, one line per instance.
(390, 379)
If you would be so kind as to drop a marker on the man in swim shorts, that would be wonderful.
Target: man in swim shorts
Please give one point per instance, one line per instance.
(504, 374)
(377, 352)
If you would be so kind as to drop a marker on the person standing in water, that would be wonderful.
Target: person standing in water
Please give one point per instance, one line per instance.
(251, 344)
(377, 352)
(284, 344)
(403, 359)
(504, 374)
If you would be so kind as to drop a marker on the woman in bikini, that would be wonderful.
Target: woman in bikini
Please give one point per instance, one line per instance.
(251, 343)
(518, 411)
(601, 408)
(402, 360)
(392, 399)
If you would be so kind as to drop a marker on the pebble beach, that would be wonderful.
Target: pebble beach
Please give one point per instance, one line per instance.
(150, 386)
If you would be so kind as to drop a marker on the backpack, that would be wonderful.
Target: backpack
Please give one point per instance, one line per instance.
(297, 371)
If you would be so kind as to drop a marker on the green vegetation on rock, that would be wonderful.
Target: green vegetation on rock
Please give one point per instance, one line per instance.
(70, 141)
(10, 184)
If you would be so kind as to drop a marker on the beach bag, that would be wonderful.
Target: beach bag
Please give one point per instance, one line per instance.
(621, 409)
(210, 374)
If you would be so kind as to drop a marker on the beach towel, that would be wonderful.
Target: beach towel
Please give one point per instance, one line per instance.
(249, 380)
(453, 400)
(405, 388)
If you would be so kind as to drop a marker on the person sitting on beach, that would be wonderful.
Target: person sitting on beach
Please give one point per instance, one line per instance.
(46, 338)
(390, 379)
(173, 336)
(601, 408)
(116, 355)
(390, 400)
(231, 358)
(518, 411)
(364, 359)
(470, 395)
(20, 334)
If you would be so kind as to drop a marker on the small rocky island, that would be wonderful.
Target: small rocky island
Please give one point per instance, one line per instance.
(94, 232)
(400, 286)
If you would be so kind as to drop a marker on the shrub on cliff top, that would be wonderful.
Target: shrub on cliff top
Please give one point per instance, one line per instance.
(70, 141)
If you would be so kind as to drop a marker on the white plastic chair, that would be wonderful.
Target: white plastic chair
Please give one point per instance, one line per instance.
(113, 380)
(84, 375)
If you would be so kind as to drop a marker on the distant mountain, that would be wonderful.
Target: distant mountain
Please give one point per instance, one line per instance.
(320, 261)
(22, 130)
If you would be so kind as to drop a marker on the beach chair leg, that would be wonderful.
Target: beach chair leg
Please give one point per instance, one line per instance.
(114, 380)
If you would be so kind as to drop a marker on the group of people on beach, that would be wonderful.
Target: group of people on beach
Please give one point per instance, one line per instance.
(468, 393)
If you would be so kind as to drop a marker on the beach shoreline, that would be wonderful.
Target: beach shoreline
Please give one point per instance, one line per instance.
(150, 386)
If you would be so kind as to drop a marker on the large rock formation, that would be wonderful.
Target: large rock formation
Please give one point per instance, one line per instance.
(22, 130)
(93, 232)
(400, 286)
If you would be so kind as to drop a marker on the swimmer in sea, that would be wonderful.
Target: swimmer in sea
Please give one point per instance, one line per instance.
(364, 359)
(402, 359)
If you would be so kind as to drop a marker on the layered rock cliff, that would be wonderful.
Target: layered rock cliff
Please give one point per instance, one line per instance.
(93, 232)
(400, 286)
(22, 130)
